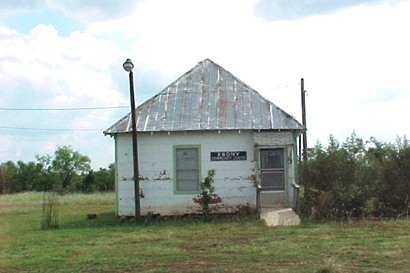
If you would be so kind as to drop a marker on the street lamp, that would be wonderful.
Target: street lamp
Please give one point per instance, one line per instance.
(128, 66)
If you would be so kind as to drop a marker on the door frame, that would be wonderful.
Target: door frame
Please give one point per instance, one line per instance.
(266, 194)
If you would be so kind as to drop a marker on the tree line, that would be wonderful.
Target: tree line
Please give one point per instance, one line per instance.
(65, 171)
(356, 179)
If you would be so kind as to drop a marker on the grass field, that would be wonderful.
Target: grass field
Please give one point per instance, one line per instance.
(230, 244)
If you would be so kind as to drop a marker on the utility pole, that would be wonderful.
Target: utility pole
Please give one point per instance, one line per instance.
(302, 93)
(128, 66)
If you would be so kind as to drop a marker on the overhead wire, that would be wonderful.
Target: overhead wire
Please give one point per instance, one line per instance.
(62, 109)
(56, 109)
(46, 129)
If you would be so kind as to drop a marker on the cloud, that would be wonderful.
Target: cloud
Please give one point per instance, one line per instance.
(93, 10)
(351, 56)
(387, 95)
(344, 55)
(20, 5)
(45, 70)
(77, 67)
(291, 10)
(65, 15)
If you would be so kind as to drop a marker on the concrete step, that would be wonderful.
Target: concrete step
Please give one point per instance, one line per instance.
(279, 217)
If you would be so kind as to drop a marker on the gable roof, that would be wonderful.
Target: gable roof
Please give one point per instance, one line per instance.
(207, 97)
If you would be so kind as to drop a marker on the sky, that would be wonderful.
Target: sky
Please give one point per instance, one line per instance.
(62, 81)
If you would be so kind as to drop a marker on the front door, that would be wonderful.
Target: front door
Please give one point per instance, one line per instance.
(272, 174)
(272, 167)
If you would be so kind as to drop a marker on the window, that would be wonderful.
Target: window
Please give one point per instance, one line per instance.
(272, 162)
(187, 168)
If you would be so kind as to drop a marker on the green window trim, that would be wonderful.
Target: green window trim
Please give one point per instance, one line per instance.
(175, 171)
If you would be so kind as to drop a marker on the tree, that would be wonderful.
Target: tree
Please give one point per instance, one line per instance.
(30, 176)
(392, 167)
(65, 170)
(101, 180)
(357, 179)
(66, 165)
(104, 178)
(331, 177)
(87, 184)
(8, 171)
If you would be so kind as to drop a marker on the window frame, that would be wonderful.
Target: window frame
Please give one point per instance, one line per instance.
(175, 148)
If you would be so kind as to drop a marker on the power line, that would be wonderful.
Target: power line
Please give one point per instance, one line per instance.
(62, 109)
(283, 86)
(47, 129)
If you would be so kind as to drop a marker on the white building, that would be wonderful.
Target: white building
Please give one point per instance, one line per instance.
(206, 119)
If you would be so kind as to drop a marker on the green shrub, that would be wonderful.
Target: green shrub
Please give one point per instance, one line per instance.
(207, 196)
(356, 179)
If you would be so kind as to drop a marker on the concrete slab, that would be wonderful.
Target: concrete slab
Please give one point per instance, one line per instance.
(280, 217)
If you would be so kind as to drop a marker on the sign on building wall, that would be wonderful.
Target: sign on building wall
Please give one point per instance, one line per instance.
(228, 156)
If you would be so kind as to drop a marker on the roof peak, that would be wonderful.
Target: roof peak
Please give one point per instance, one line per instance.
(207, 97)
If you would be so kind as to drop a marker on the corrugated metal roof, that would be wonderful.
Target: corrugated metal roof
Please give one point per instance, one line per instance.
(207, 97)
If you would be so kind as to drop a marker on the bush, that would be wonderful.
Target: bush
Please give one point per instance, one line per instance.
(50, 216)
(207, 195)
(356, 179)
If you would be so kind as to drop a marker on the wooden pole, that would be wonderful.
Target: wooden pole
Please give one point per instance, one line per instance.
(300, 147)
(302, 93)
(135, 151)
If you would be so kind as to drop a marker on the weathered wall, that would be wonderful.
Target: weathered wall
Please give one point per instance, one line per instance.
(233, 179)
(273, 139)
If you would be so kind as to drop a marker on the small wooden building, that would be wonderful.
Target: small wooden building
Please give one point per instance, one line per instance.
(207, 119)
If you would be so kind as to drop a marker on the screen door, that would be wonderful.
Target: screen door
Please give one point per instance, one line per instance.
(272, 166)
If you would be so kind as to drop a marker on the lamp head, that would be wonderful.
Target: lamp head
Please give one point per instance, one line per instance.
(128, 65)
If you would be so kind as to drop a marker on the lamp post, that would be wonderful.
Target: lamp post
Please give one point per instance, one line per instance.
(128, 66)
